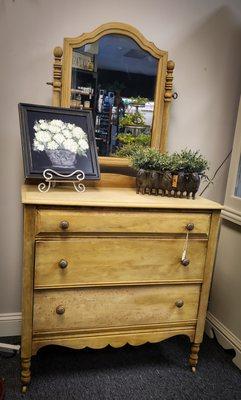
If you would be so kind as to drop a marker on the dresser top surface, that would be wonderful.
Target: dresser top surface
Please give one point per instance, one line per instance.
(110, 197)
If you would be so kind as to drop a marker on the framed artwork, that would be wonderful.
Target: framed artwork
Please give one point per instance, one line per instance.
(57, 138)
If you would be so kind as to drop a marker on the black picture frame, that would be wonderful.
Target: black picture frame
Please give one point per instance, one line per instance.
(36, 160)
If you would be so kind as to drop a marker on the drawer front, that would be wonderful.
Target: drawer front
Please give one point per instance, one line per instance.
(90, 308)
(49, 221)
(98, 261)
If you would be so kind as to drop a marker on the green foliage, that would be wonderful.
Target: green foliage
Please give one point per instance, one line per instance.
(148, 158)
(128, 150)
(139, 100)
(186, 160)
(127, 139)
(136, 119)
(189, 161)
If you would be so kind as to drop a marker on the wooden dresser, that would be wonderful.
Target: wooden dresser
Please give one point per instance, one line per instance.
(105, 267)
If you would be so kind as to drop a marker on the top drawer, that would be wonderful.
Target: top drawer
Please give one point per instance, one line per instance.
(109, 221)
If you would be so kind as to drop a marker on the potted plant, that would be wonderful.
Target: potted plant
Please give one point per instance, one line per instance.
(132, 120)
(173, 174)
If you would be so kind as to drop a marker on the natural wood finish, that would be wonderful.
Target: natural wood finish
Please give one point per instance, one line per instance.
(160, 115)
(98, 341)
(27, 291)
(111, 197)
(110, 221)
(211, 252)
(102, 307)
(123, 281)
(167, 103)
(25, 373)
(108, 261)
(193, 359)
(57, 75)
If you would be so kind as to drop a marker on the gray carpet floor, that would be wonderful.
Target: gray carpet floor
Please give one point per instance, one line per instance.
(149, 372)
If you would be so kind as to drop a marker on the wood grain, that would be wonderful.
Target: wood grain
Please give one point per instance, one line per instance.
(112, 197)
(107, 261)
(120, 221)
(115, 307)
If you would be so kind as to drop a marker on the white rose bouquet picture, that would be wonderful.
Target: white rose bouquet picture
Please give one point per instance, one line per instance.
(61, 141)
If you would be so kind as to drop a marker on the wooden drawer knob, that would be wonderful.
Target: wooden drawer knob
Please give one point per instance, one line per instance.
(185, 262)
(63, 263)
(190, 226)
(179, 303)
(64, 225)
(60, 310)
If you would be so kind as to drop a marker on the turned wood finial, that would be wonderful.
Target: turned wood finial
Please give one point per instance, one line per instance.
(169, 80)
(57, 76)
(58, 52)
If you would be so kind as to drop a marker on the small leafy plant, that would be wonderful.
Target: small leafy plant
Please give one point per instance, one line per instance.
(187, 161)
(139, 100)
(136, 119)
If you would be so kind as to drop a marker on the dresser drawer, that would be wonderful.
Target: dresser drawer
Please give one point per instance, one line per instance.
(113, 307)
(98, 261)
(51, 221)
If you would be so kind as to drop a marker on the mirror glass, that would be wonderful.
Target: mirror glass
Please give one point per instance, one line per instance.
(116, 79)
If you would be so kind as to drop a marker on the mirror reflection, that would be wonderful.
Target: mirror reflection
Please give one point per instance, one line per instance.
(115, 78)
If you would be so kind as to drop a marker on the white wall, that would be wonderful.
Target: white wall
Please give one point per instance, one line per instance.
(203, 37)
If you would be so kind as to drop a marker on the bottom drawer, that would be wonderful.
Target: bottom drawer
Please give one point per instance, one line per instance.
(89, 308)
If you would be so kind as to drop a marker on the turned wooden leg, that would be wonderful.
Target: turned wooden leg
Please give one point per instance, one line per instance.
(193, 359)
(25, 373)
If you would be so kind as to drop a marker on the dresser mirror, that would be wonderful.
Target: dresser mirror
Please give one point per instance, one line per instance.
(125, 80)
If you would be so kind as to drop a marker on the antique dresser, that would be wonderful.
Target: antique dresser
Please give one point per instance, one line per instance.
(105, 267)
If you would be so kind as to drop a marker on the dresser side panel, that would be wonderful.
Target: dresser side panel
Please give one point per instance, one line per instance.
(27, 280)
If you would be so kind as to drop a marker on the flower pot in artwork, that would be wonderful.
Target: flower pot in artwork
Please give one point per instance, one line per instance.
(62, 158)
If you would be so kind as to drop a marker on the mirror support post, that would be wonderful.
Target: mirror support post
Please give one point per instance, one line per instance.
(167, 102)
(57, 76)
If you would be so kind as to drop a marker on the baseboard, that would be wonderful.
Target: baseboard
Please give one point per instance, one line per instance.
(10, 324)
(225, 337)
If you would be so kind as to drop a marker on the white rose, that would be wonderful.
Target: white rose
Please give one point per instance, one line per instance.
(59, 138)
(54, 129)
(44, 126)
(37, 146)
(83, 144)
(70, 145)
(70, 126)
(43, 136)
(67, 133)
(36, 127)
(41, 121)
(57, 122)
(52, 145)
(77, 132)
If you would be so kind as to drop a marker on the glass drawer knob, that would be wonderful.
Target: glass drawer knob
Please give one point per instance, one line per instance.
(64, 224)
(63, 263)
(60, 310)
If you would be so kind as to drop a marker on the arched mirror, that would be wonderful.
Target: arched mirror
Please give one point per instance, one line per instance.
(124, 80)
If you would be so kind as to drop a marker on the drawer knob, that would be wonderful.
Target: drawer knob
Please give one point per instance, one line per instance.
(60, 310)
(185, 262)
(179, 303)
(64, 224)
(63, 263)
(190, 226)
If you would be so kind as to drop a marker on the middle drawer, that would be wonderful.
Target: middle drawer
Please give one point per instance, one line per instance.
(107, 261)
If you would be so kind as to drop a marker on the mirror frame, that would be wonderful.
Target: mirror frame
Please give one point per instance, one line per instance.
(163, 90)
